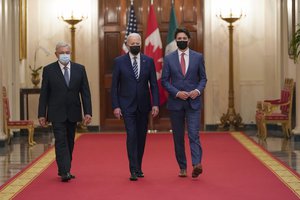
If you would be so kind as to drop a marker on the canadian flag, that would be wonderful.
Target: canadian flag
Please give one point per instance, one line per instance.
(153, 49)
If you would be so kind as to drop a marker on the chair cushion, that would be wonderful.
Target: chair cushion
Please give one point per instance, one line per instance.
(275, 101)
(277, 116)
(20, 123)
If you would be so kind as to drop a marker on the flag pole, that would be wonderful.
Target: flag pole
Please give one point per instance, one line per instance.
(151, 124)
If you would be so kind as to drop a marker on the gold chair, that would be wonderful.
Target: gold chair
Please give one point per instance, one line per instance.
(276, 111)
(15, 124)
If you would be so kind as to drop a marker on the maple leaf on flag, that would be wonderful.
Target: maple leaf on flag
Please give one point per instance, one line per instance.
(153, 49)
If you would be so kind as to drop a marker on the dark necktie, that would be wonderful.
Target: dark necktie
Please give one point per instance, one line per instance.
(182, 63)
(135, 68)
(66, 75)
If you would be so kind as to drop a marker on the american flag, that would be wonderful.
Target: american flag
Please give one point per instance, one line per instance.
(131, 27)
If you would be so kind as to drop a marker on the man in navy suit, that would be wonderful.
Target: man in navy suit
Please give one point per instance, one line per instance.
(64, 83)
(184, 78)
(134, 77)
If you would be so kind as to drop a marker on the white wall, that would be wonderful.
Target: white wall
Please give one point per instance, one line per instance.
(258, 58)
(259, 42)
(45, 29)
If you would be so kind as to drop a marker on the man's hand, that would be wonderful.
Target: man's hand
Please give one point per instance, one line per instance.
(155, 111)
(117, 113)
(193, 94)
(43, 122)
(182, 95)
(87, 119)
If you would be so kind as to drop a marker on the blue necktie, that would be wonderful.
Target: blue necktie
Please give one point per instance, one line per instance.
(135, 68)
(66, 75)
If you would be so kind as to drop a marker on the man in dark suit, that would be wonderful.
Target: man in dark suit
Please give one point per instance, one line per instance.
(63, 84)
(134, 73)
(184, 78)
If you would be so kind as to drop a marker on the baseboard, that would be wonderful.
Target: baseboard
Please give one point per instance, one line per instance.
(271, 127)
(95, 128)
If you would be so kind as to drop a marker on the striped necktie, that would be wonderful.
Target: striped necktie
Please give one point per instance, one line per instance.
(135, 68)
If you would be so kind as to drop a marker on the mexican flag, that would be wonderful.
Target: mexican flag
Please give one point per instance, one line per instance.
(153, 49)
(171, 43)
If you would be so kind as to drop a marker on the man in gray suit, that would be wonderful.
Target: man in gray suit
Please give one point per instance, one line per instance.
(64, 84)
(184, 78)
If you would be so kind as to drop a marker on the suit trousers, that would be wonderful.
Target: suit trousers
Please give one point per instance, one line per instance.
(178, 120)
(136, 124)
(64, 134)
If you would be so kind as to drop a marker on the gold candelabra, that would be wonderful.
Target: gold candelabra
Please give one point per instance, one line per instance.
(231, 119)
(72, 21)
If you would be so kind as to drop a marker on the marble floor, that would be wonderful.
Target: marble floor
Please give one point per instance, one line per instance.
(15, 157)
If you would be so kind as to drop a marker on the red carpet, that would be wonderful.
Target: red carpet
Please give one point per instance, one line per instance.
(100, 164)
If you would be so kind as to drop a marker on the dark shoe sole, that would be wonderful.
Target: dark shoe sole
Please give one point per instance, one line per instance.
(182, 175)
(133, 179)
(65, 179)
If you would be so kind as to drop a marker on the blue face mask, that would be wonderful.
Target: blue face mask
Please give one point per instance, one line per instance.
(64, 58)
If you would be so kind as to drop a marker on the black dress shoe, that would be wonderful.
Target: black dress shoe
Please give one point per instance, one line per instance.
(140, 174)
(65, 178)
(71, 175)
(133, 177)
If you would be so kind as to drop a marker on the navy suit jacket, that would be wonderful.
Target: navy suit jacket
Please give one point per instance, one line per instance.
(57, 101)
(131, 94)
(174, 81)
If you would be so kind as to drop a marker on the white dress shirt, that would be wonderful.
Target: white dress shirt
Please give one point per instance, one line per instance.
(186, 58)
(63, 70)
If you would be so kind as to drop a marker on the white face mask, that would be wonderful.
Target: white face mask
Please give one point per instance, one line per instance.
(64, 58)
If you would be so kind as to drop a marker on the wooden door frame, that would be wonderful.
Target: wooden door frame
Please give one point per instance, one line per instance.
(112, 124)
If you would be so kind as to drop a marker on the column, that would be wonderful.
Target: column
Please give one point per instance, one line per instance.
(296, 130)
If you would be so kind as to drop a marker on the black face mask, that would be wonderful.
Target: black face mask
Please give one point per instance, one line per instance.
(135, 49)
(182, 44)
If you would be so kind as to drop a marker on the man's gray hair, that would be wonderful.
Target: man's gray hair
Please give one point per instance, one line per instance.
(62, 44)
(134, 34)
